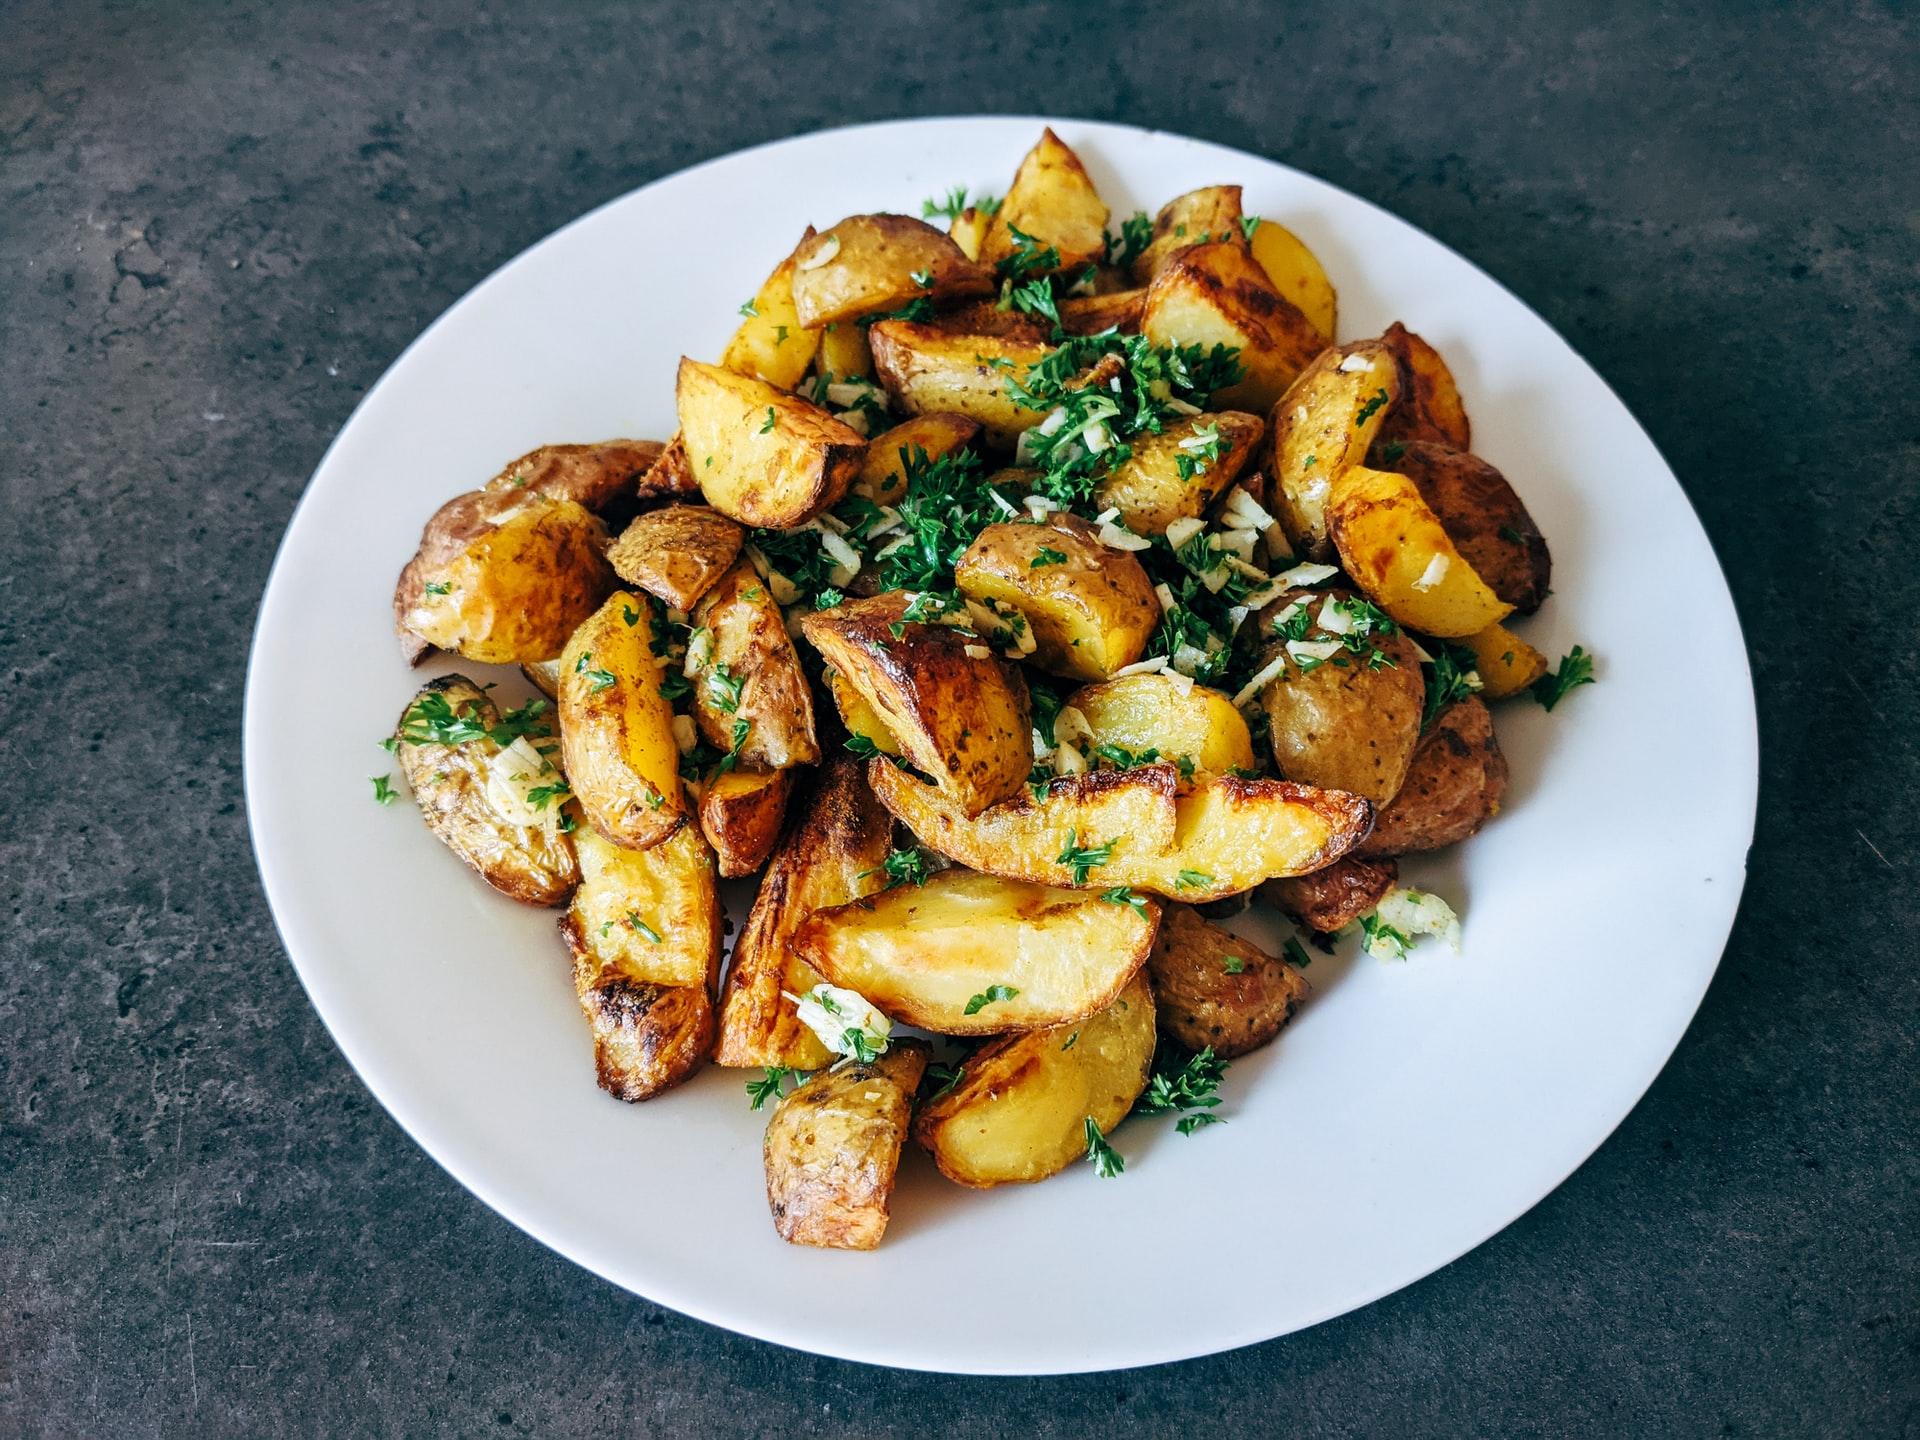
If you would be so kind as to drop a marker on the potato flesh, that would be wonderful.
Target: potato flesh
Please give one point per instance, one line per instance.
(1214, 989)
(616, 736)
(1318, 434)
(867, 264)
(677, 552)
(1397, 551)
(924, 953)
(762, 457)
(832, 1149)
(969, 230)
(858, 716)
(771, 343)
(883, 474)
(1216, 294)
(1297, 274)
(844, 353)
(628, 897)
(1507, 664)
(740, 814)
(1148, 489)
(1053, 200)
(774, 699)
(1152, 712)
(1195, 218)
(928, 371)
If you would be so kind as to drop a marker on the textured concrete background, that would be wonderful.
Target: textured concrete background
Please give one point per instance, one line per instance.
(219, 224)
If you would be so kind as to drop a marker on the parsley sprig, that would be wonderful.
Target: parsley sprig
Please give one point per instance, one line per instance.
(1082, 859)
(1187, 1083)
(1107, 1161)
(432, 720)
(1575, 670)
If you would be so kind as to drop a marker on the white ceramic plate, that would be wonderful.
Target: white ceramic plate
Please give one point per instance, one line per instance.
(1411, 1111)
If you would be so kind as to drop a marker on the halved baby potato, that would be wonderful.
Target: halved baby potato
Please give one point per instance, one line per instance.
(1296, 273)
(597, 477)
(763, 457)
(1198, 217)
(1454, 786)
(1506, 663)
(871, 263)
(616, 727)
(1429, 405)
(752, 676)
(928, 371)
(1187, 722)
(740, 814)
(1214, 989)
(1217, 294)
(676, 552)
(1332, 899)
(883, 474)
(1398, 551)
(1148, 487)
(773, 344)
(1053, 200)
(650, 915)
(1487, 522)
(1321, 427)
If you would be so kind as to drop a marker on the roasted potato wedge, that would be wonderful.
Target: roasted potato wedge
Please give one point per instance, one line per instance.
(1484, 519)
(1296, 273)
(773, 344)
(1115, 310)
(1198, 217)
(471, 802)
(1429, 405)
(1149, 489)
(1217, 294)
(969, 230)
(671, 477)
(844, 353)
(1091, 609)
(1507, 664)
(595, 477)
(1321, 427)
(833, 1146)
(740, 813)
(831, 856)
(930, 954)
(1212, 988)
(616, 728)
(676, 552)
(1333, 898)
(650, 915)
(763, 457)
(870, 263)
(1455, 785)
(752, 675)
(928, 371)
(1019, 1112)
(1155, 712)
(646, 1038)
(883, 474)
(963, 719)
(1398, 551)
(1053, 200)
(502, 577)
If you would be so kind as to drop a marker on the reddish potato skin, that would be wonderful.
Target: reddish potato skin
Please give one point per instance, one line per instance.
(1332, 899)
(1454, 786)
(1201, 1002)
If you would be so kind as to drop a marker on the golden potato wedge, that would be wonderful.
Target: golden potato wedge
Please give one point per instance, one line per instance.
(1429, 405)
(927, 371)
(1455, 785)
(1212, 988)
(844, 353)
(1217, 294)
(1193, 723)
(1053, 200)
(650, 915)
(1332, 899)
(773, 344)
(872, 263)
(1149, 489)
(1115, 310)
(1296, 273)
(964, 720)
(676, 552)
(833, 1146)
(1507, 664)
(1487, 522)
(671, 477)
(616, 728)
(1321, 427)
(596, 477)
(1197, 218)
(1019, 1111)
(883, 474)
(1399, 553)
(471, 800)
(646, 1038)
(1092, 609)
(969, 230)
(857, 715)
(501, 577)
(740, 814)
(831, 856)
(763, 457)
(1235, 832)
(933, 955)
(752, 675)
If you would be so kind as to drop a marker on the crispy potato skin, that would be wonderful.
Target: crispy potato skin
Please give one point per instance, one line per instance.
(750, 638)
(1115, 310)
(1398, 551)
(923, 953)
(1297, 274)
(740, 814)
(616, 740)
(1052, 198)
(966, 722)
(1454, 787)
(1217, 294)
(1195, 218)
(1333, 898)
(676, 552)
(671, 477)
(928, 371)
(1318, 434)
(534, 864)
(763, 457)
(596, 477)
(1507, 664)
(669, 888)
(1200, 1003)
(1142, 712)
(1480, 511)
(869, 265)
(831, 856)
(646, 1038)
(883, 474)
(1091, 613)
(1020, 1109)
(514, 572)
(1148, 488)
(772, 344)
(1429, 405)
(833, 1147)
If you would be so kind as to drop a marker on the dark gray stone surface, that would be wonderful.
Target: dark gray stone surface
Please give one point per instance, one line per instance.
(219, 224)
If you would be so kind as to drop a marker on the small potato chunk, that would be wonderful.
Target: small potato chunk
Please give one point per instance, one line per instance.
(1429, 405)
(1052, 199)
(616, 728)
(1212, 988)
(753, 676)
(1296, 273)
(1149, 489)
(1507, 664)
(1487, 522)
(858, 716)
(929, 954)
(646, 1038)
(501, 577)
(832, 856)
(1399, 553)
(595, 477)
(928, 371)
(844, 353)
(870, 263)
(1092, 609)
(1332, 899)
(650, 915)
(1321, 427)
(1019, 1112)
(1454, 787)
(1197, 218)
(833, 1146)
(1153, 712)
(1116, 310)
(472, 805)
(969, 230)
(740, 814)
(1217, 294)
(772, 343)
(671, 477)
(676, 552)
(883, 474)
(962, 719)
(763, 457)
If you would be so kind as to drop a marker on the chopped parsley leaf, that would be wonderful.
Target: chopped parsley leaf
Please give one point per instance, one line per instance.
(901, 866)
(1576, 669)
(992, 995)
(1106, 1160)
(748, 310)
(1082, 859)
(1046, 555)
(1297, 953)
(1366, 410)
(771, 422)
(769, 1087)
(1124, 895)
(1192, 880)
(434, 587)
(1181, 1082)
(383, 790)
(1249, 224)
(947, 1078)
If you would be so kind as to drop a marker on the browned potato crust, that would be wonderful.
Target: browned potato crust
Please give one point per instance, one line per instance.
(833, 1146)
(1455, 785)
(740, 813)
(1485, 519)
(1429, 406)
(928, 371)
(1321, 427)
(1052, 199)
(593, 476)
(985, 317)
(616, 728)
(1333, 898)
(772, 343)
(650, 915)
(671, 477)
(750, 639)
(1148, 487)
(1196, 218)
(646, 1038)
(868, 263)
(1116, 310)
(1217, 294)
(883, 474)
(1296, 273)
(1212, 988)
(676, 552)
(763, 457)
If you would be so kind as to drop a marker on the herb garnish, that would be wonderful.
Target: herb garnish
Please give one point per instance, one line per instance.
(1082, 859)
(383, 790)
(1576, 669)
(1106, 1160)
(992, 995)
(769, 1087)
